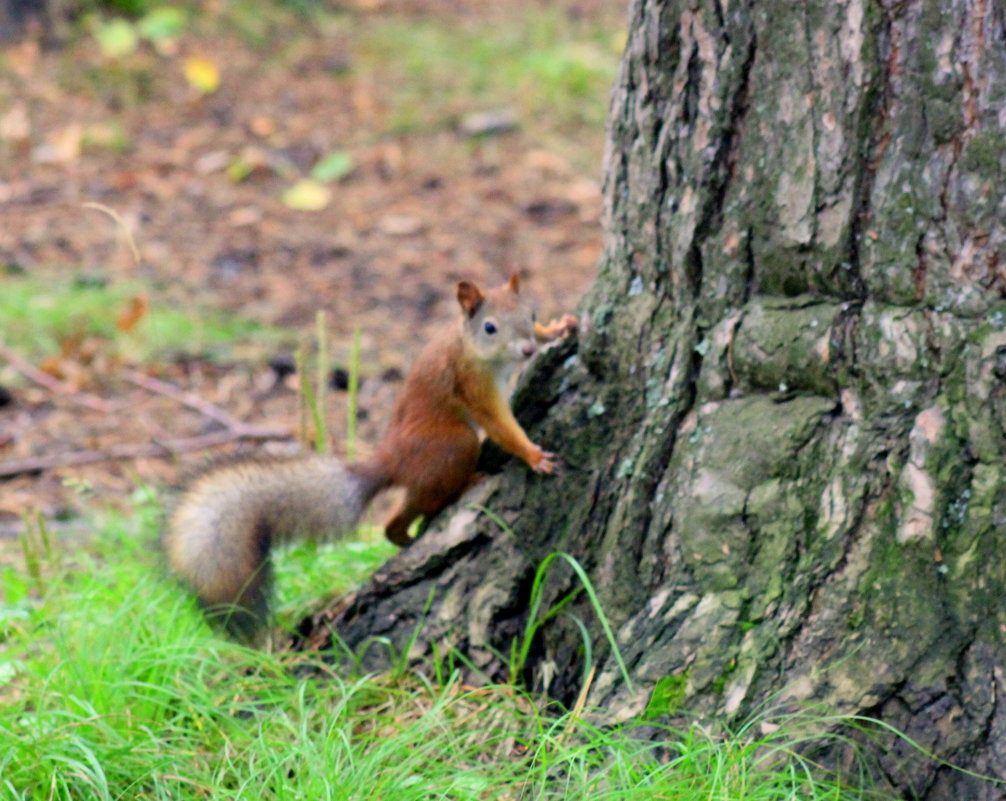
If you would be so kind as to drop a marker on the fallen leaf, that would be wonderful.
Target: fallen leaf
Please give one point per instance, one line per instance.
(239, 169)
(202, 74)
(307, 195)
(61, 147)
(162, 27)
(262, 126)
(333, 167)
(116, 38)
(136, 309)
(54, 366)
(252, 160)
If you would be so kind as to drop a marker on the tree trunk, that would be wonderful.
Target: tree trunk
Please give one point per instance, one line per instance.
(783, 421)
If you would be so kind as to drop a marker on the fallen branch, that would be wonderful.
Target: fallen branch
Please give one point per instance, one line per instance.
(189, 399)
(54, 385)
(134, 451)
(234, 429)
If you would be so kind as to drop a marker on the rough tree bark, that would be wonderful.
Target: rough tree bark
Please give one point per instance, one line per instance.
(783, 422)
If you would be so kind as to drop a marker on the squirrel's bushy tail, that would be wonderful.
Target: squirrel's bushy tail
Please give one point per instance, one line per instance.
(227, 521)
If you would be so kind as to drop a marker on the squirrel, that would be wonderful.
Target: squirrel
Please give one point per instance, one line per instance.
(221, 532)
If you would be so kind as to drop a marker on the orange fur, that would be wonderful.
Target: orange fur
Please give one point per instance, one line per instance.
(431, 446)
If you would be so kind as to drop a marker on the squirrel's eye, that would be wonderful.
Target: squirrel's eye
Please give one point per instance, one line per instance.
(490, 327)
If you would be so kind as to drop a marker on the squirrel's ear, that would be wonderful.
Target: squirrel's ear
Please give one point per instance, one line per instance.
(469, 297)
(514, 283)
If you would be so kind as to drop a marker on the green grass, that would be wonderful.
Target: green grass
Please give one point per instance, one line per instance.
(43, 317)
(311, 573)
(556, 74)
(112, 687)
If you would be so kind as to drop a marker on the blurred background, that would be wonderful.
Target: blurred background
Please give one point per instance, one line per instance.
(183, 186)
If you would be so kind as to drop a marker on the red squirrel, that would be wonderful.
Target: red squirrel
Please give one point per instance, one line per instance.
(219, 537)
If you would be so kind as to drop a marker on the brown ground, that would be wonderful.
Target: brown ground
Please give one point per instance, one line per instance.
(421, 210)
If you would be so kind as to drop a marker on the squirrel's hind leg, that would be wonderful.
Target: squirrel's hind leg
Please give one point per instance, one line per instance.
(425, 502)
(435, 473)
(397, 529)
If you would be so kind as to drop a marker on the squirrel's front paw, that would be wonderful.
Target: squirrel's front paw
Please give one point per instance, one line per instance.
(565, 325)
(568, 323)
(546, 462)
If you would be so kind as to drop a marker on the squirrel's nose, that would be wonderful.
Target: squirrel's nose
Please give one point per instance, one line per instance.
(528, 349)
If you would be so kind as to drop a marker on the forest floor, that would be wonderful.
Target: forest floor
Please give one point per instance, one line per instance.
(180, 195)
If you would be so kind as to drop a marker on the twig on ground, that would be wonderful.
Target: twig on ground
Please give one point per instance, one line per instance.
(54, 385)
(120, 223)
(138, 451)
(193, 401)
(234, 429)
